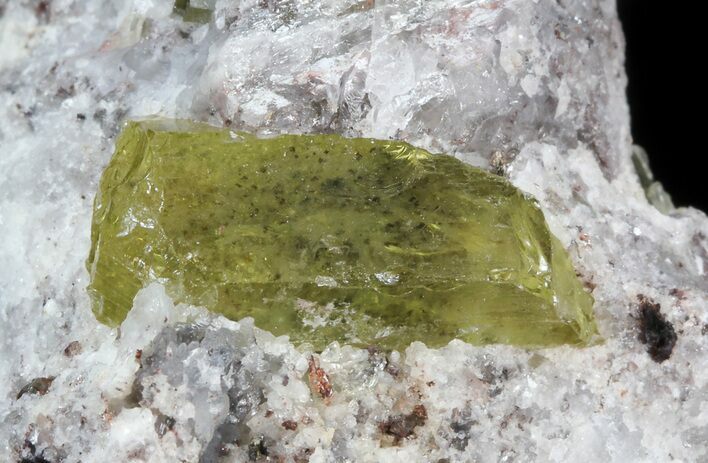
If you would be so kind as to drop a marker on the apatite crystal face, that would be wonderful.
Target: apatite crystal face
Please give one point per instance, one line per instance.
(324, 238)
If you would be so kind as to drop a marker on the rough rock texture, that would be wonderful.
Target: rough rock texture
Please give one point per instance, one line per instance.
(530, 89)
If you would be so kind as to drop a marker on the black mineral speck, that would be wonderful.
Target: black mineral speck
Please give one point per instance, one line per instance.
(163, 424)
(257, 449)
(460, 424)
(654, 330)
(29, 454)
(35, 459)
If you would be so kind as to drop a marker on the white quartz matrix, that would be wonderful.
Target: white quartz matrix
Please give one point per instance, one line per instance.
(533, 89)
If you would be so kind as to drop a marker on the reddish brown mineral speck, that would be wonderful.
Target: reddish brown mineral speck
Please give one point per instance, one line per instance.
(290, 425)
(402, 426)
(38, 386)
(72, 349)
(319, 381)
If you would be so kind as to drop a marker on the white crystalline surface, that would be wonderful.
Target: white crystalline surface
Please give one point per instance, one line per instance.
(531, 89)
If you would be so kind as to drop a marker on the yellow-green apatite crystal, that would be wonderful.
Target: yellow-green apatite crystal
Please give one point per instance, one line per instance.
(325, 238)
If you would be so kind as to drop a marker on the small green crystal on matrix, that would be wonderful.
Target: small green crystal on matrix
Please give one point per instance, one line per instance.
(325, 238)
(194, 11)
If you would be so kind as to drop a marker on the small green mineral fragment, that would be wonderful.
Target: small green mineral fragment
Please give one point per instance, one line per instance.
(653, 190)
(325, 238)
(194, 11)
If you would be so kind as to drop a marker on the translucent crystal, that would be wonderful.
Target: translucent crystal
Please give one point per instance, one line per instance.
(654, 190)
(325, 238)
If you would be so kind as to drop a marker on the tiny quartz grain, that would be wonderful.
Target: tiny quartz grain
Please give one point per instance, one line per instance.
(325, 238)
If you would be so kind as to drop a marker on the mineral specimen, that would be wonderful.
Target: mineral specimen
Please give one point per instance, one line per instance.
(326, 238)
(534, 89)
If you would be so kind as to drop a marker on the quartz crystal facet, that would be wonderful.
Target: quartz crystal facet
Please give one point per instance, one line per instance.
(325, 238)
